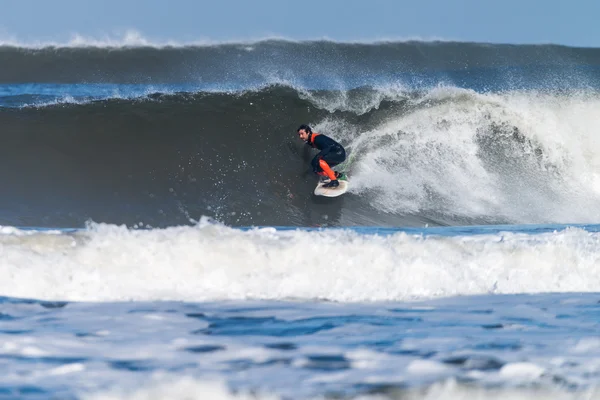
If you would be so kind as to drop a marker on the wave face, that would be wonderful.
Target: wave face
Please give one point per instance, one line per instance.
(437, 133)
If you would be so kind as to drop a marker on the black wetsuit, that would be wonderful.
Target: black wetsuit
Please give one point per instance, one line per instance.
(331, 151)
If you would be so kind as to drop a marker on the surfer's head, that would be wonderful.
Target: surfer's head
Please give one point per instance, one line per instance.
(304, 132)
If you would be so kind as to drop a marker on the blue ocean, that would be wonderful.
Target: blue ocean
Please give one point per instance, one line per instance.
(159, 236)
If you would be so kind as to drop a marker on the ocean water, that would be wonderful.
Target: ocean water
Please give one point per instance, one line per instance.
(159, 237)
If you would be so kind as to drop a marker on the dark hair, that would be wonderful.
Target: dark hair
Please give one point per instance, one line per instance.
(305, 128)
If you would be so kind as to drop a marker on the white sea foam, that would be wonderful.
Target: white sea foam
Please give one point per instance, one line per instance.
(210, 262)
(178, 388)
(191, 389)
(451, 390)
(526, 157)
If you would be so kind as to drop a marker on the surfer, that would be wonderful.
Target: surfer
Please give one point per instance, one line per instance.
(331, 154)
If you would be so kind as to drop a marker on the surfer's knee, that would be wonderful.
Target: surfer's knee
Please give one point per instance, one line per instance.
(323, 164)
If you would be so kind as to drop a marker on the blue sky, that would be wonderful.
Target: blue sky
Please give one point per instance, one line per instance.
(498, 21)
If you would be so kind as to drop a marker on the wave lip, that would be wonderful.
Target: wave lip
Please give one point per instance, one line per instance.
(134, 38)
(111, 263)
(325, 64)
(130, 38)
(40, 95)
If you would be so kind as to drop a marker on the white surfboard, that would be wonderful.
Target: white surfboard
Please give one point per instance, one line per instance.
(331, 192)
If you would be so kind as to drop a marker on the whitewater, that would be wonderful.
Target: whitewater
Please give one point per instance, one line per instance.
(211, 262)
(159, 237)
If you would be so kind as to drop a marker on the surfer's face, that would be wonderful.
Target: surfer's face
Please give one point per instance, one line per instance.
(303, 134)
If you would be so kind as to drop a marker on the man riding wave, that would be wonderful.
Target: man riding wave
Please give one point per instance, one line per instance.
(331, 154)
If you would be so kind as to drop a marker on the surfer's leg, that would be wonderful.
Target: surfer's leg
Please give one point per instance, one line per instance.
(327, 169)
(332, 159)
(317, 167)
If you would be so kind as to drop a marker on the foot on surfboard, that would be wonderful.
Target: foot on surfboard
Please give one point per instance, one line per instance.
(338, 176)
(334, 188)
(332, 184)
